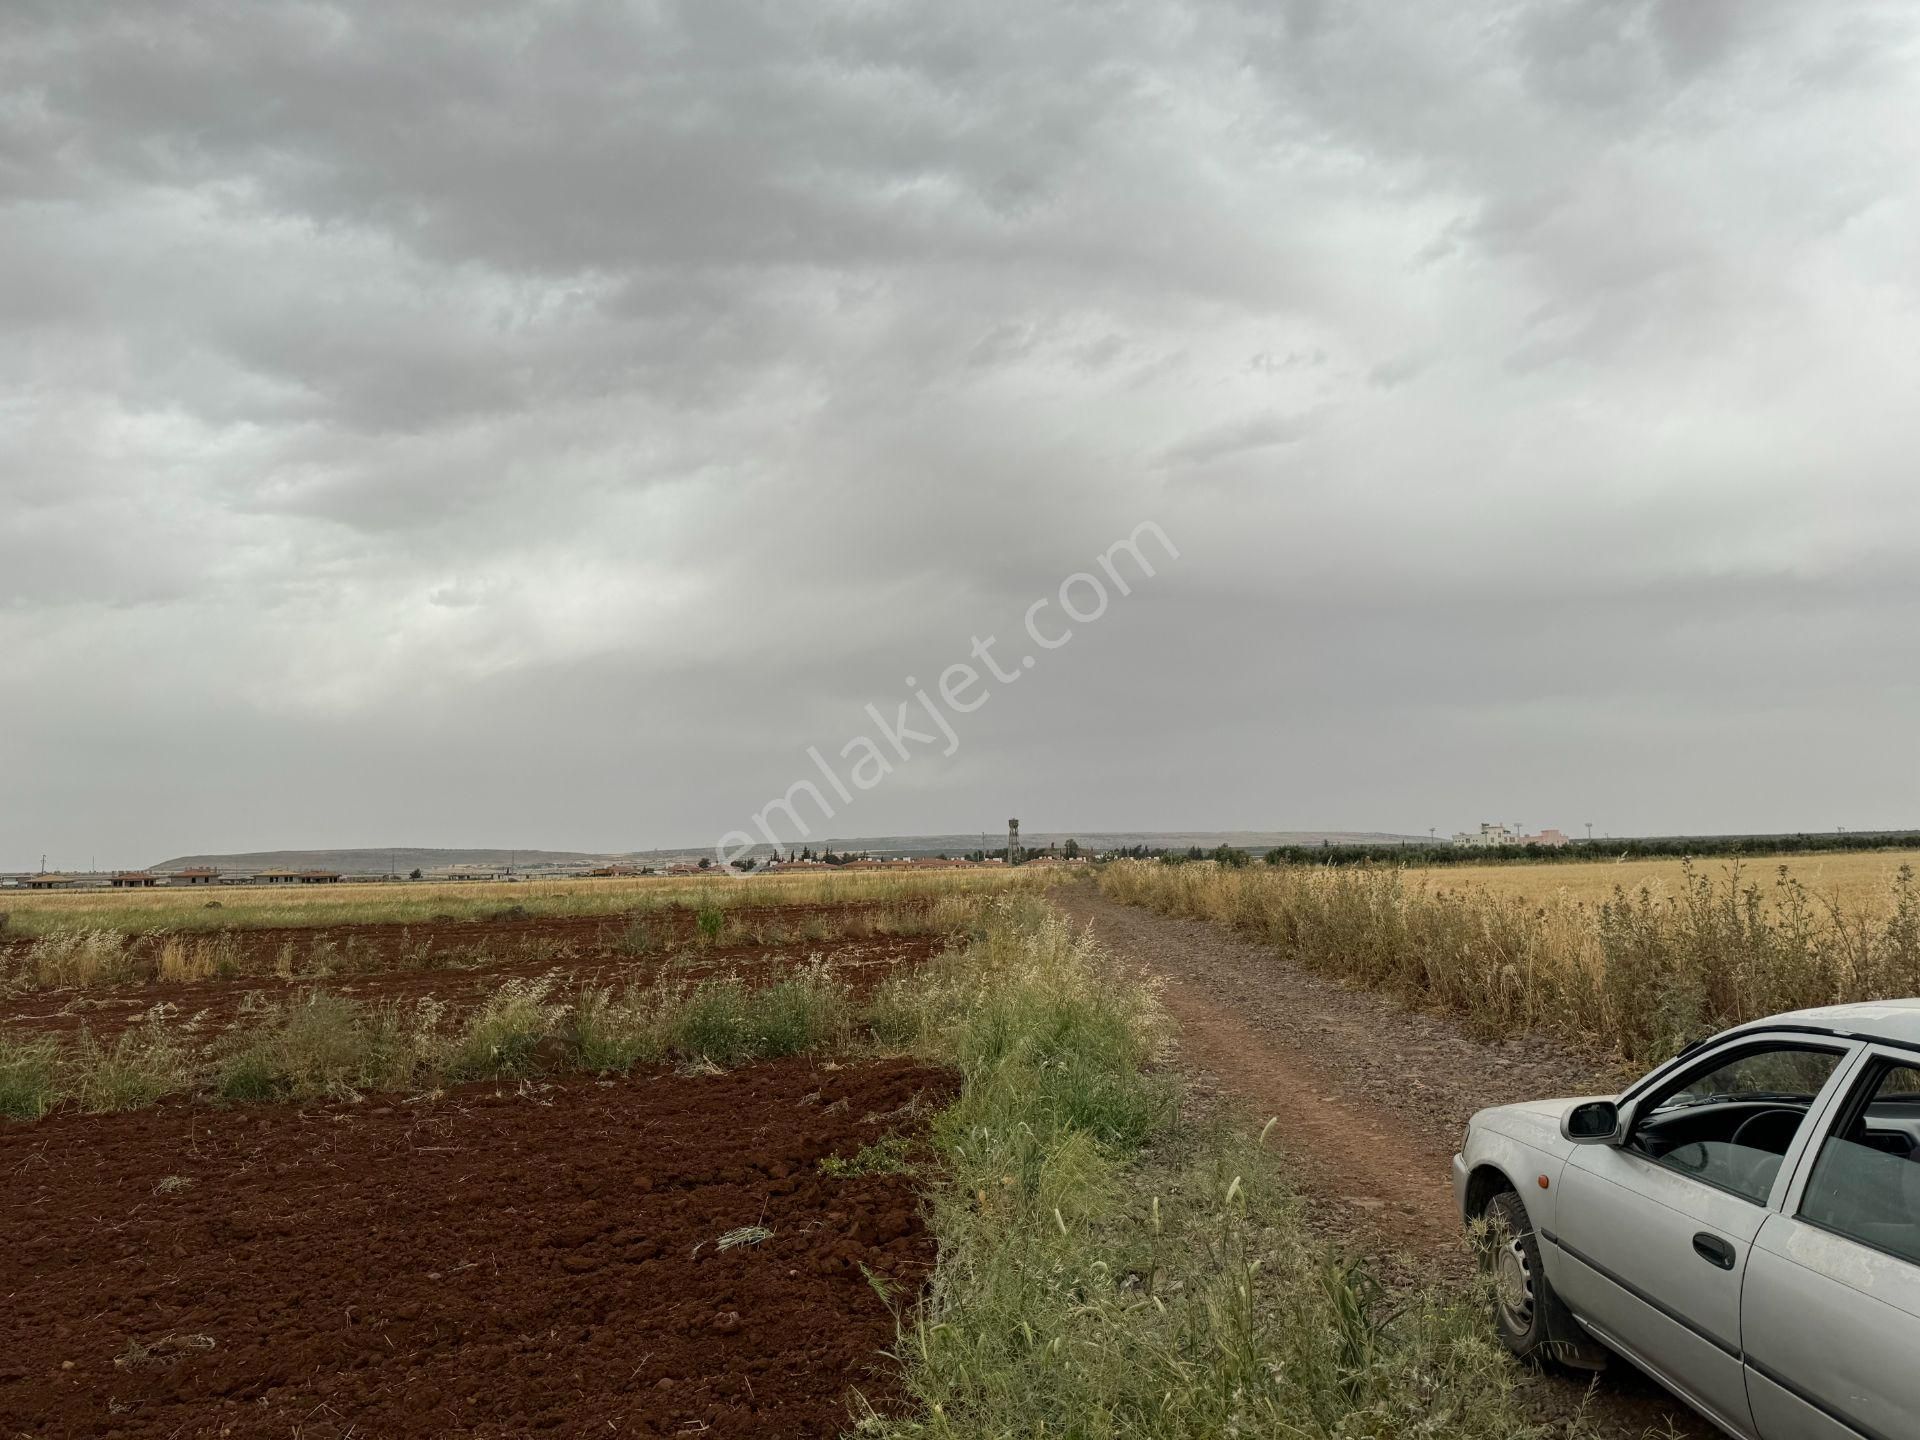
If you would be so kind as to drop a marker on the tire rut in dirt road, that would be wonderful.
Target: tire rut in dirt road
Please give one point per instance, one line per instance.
(1387, 1181)
(1369, 1101)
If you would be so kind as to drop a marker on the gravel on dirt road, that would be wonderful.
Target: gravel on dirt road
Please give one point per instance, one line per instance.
(1369, 1099)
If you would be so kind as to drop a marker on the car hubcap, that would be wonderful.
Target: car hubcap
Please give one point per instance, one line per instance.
(1513, 1287)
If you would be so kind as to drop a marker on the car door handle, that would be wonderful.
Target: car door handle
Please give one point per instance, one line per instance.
(1713, 1250)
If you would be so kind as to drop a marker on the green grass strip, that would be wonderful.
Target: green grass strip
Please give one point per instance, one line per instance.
(1107, 1269)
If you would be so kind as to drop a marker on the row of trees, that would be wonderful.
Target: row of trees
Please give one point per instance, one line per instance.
(1655, 847)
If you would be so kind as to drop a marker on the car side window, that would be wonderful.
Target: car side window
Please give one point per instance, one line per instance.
(1730, 1121)
(1866, 1183)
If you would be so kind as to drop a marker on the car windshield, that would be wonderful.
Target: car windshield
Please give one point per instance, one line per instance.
(1688, 1100)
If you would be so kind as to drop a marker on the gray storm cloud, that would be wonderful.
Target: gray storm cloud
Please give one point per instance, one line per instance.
(539, 425)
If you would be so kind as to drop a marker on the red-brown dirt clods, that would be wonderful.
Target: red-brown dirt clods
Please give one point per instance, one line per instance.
(539, 1260)
(209, 1006)
(418, 944)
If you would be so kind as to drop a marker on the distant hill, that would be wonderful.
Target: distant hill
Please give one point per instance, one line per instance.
(371, 860)
(376, 861)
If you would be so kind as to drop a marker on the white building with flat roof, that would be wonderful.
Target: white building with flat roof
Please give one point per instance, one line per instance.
(1489, 834)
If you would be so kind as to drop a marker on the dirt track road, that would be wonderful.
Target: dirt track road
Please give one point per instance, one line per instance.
(1370, 1100)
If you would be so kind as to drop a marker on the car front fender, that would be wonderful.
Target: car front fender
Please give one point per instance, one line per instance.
(1496, 1160)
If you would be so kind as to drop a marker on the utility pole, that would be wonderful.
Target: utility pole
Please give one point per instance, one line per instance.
(1589, 832)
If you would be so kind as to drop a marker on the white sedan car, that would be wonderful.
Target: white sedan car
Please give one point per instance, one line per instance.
(1743, 1224)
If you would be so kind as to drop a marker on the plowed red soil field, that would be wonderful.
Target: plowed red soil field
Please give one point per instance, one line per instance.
(511, 934)
(500, 1261)
(208, 1006)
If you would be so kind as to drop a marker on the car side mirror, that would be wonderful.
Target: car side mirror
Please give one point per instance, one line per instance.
(1593, 1122)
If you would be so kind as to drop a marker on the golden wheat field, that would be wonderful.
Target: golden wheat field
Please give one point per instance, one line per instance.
(1859, 881)
(1667, 963)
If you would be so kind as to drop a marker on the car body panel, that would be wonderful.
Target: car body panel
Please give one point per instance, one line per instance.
(1832, 1324)
(1523, 1142)
(1893, 1021)
(1780, 1414)
(1627, 1227)
(1661, 1337)
(1809, 1335)
(1832, 1335)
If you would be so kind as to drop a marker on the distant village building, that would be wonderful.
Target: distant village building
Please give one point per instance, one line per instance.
(49, 882)
(1489, 834)
(1492, 834)
(298, 877)
(133, 880)
(196, 875)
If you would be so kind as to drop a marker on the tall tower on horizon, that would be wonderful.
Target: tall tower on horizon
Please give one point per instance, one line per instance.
(1013, 842)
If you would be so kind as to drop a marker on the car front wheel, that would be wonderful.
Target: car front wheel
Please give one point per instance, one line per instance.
(1510, 1257)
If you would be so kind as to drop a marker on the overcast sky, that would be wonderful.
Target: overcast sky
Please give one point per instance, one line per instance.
(540, 425)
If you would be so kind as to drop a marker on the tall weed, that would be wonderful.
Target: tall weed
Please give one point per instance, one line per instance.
(27, 1076)
(1641, 972)
(145, 1063)
(326, 1047)
(504, 1037)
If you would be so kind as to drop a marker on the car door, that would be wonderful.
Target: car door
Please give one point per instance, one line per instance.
(1831, 1313)
(1654, 1234)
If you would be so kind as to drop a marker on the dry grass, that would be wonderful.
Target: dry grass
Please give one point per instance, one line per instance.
(87, 959)
(195, 958)
(1639, 971)
(325, 1046)
(74, 958)
(137, 911)
(1105, 1270)
(1858, 881)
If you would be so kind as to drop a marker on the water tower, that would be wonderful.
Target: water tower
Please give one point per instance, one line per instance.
(1013, 842)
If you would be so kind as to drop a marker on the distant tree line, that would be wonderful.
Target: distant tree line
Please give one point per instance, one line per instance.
(1648, 848)
(1224, 854)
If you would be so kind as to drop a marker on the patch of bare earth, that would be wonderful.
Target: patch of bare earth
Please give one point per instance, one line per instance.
(1369, 1101)
(656, 1256)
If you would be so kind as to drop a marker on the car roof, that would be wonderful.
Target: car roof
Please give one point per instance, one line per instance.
(1896, 1021)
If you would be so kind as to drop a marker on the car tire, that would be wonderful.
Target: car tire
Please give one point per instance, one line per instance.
(1522, 1298)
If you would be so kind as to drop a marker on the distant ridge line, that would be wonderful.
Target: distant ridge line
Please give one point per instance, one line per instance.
(376, 859)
